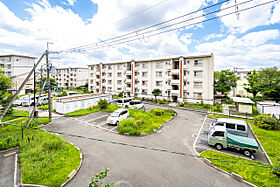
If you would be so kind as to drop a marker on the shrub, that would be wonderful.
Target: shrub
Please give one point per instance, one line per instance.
(120, 94)
(265, 121)
(170, 111)
(54, 144)
(161, 102)
(64, 93)
(277, 165)
(181, 104)
(91, 107)
(158, 112)
(103, 103)
(207, 106)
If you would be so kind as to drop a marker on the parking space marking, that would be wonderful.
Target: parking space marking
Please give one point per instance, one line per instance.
(194, 143)
(15, 172)
(114, 128)
(94, 119)
(102, 123)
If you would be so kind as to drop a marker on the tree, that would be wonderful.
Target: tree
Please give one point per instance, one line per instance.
(5, 84)
(253, 85)
(156, 93)
(270, 83)
(52, 81)
(224, 81)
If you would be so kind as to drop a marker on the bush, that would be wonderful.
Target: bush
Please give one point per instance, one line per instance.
(158, 112)
(161, 102)
(120, 94)
(64, 93)
(277, 165)
(181, 104)
(103, 103)
(91, 107)
(265, 121)
(207, 106)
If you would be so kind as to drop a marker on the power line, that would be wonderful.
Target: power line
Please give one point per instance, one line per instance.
(213, 18)
(150, 26)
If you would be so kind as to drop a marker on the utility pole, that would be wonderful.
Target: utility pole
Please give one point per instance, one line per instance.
(34, 99)
(48, 81)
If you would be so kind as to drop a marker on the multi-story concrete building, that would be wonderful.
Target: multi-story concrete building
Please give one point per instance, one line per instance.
(71, 77)
(180, 79)
(17, 68)
(241, 84)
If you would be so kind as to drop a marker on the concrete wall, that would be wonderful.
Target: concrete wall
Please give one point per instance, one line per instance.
(245, 108)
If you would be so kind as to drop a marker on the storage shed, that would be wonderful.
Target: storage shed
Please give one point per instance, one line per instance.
(269, 108)
(72, 103)
(243, 105)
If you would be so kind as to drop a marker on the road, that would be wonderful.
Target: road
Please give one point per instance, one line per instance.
(139, 167)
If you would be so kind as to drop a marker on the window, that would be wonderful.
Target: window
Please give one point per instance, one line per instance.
(241, 127)
(144, 92)
(168, 73)
(109, 74)
(219, 124)
(119, 67)
(119, 74)
(230, 125)
(219, 133)
(158, 65)
(144, 65)
(158, 83)
(144, 74)
(198, 73)
(185, 83)
(109, 81)
(197, 95)
(119, 82)
(198, 63)
(92, 68)
(144, 83)
(109, 67)
(159, 74)
(197, 84)
(9, 66)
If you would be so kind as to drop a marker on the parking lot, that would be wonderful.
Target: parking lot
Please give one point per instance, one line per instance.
(202, 144)
(97, 120)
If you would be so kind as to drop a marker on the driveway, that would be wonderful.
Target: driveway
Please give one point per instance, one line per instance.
(139, 167)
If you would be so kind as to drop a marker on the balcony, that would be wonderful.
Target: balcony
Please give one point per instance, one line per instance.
(128, 72)
(128, 89)
(175, 82)
(175, 71)
(175, 92)
(128, 81)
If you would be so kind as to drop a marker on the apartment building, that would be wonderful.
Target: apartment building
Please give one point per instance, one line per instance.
(17, 68)
(241, 84)
(188, 79)
(71, 77)
(42, 72)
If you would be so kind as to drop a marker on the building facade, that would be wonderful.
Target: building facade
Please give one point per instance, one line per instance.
(71, 77)
(180, 79)
(17, 68)
(241, 84)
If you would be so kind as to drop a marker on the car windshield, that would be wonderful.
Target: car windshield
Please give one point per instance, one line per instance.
(134, 102)
(115, 114)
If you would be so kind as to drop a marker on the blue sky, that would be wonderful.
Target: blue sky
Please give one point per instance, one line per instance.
(251, 42)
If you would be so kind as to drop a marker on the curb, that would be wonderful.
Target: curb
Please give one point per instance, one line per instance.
(7, 150)
(70, 176)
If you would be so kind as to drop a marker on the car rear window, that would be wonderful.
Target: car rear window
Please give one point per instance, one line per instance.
(230, 126)
(241, 127)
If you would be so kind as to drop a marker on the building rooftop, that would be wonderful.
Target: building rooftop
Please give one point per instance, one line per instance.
(155, 60)
(242, 100)
(18, 56)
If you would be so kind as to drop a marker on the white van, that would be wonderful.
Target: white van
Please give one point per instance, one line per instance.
(136, 104)
(117, 116)
(124, 102)
(233, 126)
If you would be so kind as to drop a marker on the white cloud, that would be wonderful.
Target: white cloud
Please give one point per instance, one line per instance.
(251, 50)
(259, 16)
(69, 2)
(213, 36)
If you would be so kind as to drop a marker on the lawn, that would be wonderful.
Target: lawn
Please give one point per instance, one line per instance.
(215, 108)
(256, 175)
(14, 114)
(81, 112)
(45, 158)
(144, 122)
(270, 140)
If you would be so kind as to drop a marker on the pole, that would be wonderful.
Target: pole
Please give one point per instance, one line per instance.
(20, 88)
(34, 99)
(48, 80)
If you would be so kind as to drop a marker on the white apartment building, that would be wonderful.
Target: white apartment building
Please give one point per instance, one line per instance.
(17, 68)
(71, 77)
(188, 79)
(241, 84)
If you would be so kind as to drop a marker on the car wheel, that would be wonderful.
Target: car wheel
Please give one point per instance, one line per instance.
(219, 146)
(247, 153)
(117, 123)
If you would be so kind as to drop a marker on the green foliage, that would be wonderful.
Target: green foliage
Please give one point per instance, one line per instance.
(163, 102)
(253, 85)
(14, 114)
(265, 121)
(43, 79)
(5, 101)
(64, 93)
(256, 175)
(96, 180)
(44, 107)
(82, 112)
(91, 107)
(156, 93)
(217, 108)
(207, 106)
(103, 104)
(182, 104)
(5, 84)
(144, 122)
(277, 165)
(224, 81)
(120, 95)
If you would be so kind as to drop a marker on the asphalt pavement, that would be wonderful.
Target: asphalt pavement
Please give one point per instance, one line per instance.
(131, 166)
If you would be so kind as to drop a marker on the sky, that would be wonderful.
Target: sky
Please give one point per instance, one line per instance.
(247, 39)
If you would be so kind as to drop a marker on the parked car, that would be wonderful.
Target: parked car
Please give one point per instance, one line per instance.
(19, 101)
(29, 101)
(221, 139)
(136, 104)
(117, 116)
(124, 102)
(43, 101)
(233, 126)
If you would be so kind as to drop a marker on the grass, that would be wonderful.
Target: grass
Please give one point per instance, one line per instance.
(15, 113)
(270, 140)
(44, 107)
(81, 112)
(144, 122)
(256, 175)
(45, 158)
(216, 108)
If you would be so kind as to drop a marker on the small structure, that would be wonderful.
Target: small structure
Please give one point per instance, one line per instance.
(269, 108)
(72, 103)
(243, 105)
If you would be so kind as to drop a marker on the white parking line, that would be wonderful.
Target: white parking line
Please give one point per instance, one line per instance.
(199, 132)
(114, 128)
(102, 123)
(15, 173)
(97, 118)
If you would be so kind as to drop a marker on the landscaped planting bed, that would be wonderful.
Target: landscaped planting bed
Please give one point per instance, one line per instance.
(45, 158)
(144, 122)
(93, 109)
